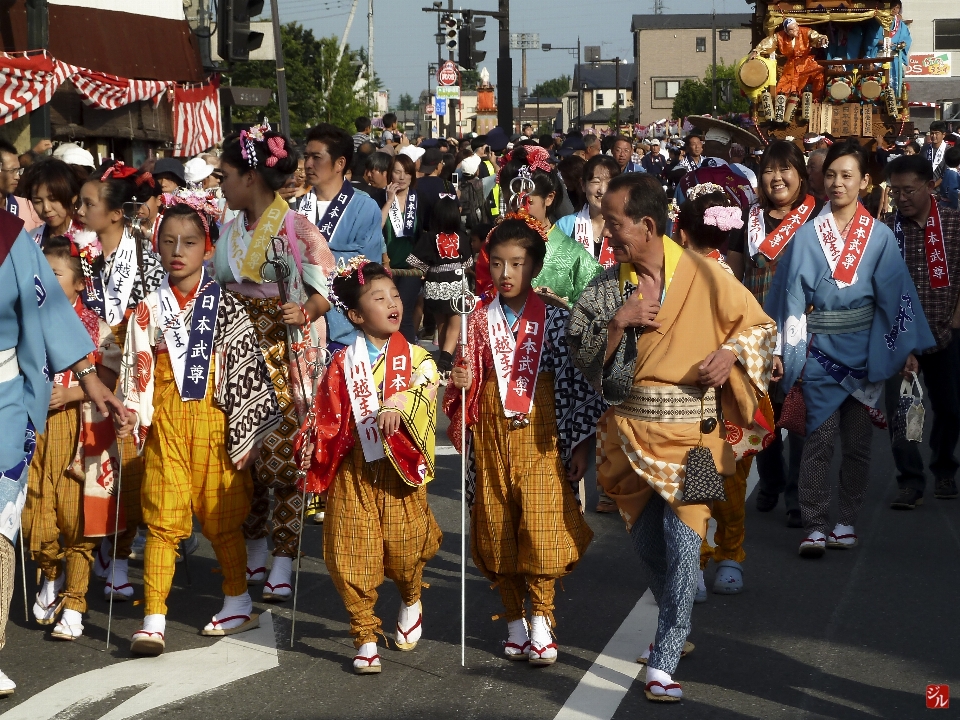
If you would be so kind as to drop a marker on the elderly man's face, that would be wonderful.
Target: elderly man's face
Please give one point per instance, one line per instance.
(793, 29)
(622, 152)
(629, 241)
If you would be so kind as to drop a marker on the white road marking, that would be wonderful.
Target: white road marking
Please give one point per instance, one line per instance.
(166, 679)
(602, 688)
(446, 450)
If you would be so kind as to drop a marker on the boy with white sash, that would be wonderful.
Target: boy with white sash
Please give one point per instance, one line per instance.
(196, 381)
(531, 426)
(369, 443)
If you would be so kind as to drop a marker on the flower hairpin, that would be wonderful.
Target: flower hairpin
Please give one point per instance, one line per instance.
(345, 269)
(248, 140)
(703, 189)
(673, 210)
(723, 217)
(200, 201)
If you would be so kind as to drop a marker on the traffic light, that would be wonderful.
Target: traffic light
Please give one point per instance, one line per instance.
(450, 32)
(234, 39)
(470, 35)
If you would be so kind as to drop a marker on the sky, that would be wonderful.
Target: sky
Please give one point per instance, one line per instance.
(404, 35)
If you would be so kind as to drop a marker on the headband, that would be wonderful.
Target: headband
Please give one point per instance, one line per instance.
(537, 159)
(248, 140)
(787, 22)
(201, 203)
(118, 170)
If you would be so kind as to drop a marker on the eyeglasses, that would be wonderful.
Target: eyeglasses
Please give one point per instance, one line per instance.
(16, 172)
(905, 192)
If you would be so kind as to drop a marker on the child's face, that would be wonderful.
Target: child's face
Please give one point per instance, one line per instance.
(379, 309)
(182, 248)
(93, 212)
(67, 277)
(511, 269)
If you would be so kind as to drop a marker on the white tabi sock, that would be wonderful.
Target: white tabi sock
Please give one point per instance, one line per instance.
(237, 607)
(117, 581)
(278, 584)
(257, 552)
(155, 623)
(518, 641)
(50, 589)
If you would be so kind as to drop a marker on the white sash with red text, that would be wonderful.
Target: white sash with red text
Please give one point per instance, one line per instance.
(772, 244)
(362, 387)
(583, 234)
(843, 257)
(517, 360)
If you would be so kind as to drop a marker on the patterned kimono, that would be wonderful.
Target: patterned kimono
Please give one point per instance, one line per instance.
(378, 521)
(190, 446)
(289, 352)
(72, 489)
(30, 297)
(651, 381)
(517, 477)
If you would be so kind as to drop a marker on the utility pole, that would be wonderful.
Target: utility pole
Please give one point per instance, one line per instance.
(38, 38)
(452, 104)
(281, 73)
(370, 56)
(616, 96)
(713, 72)
(504, 70)
(523, 73)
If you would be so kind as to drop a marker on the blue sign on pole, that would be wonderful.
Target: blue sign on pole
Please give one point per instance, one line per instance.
(440, 107)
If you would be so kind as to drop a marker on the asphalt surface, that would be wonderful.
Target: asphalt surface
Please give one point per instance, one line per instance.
(857, 634)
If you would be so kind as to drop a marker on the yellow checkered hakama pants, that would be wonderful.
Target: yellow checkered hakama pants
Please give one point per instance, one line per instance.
(375, 525)
(54, 509)
(730, 515)
(526, 529)
(276, 467)
(188, 468)
(132, 467)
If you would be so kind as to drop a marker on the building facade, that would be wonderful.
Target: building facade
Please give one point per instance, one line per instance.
(934, 72)
(669, 49)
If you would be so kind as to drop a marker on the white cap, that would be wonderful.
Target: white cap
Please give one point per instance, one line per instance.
(471, 164)
(73, 154)
(196, 170)
(718, 134)
(413, 152)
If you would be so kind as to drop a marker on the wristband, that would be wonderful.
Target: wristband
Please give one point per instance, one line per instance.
(306, 315)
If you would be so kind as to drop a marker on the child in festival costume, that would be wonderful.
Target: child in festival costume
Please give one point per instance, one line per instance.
(443, 255)
(532, 419)
(120, 269)
(369, 439)
(255, 165)
(202, 404)
(704, 223)
(71, 490)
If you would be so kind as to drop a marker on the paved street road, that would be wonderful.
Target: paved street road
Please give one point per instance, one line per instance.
(858, 634)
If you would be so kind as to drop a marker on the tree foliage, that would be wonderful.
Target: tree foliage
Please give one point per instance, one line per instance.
(317, 89)
(555, 88)
(406, 102)
(695, 96)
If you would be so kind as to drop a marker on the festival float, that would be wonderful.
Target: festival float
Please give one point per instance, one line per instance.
(827, 67)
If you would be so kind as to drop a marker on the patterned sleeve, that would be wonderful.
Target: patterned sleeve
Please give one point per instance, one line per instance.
(244, 391)
(754, 348)
(315, 252)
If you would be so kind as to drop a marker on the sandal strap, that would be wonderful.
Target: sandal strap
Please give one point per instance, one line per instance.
(147, 633)
(521, 648)
(215, 622)
(542, 649)
(277, 586)
(367, 660)
(843, 537)
(413, 627)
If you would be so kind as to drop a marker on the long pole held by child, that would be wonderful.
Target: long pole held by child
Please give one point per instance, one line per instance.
(463, 306)
(116, 533)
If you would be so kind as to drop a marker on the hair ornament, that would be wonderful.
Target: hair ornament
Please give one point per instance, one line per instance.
(277, 151)
(723, 217)
(703, 189)
(146, 178)
(118, 170)
(248, 140)
(201, 202)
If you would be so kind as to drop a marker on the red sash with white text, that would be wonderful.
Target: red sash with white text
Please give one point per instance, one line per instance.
(362, 388)
(844, 256)
(936, 249)
(773, 243)
(517, 360)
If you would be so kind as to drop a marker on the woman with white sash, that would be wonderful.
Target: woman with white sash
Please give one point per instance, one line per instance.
(401, 229)
(586, 226)
(120, 269)
(255, 165)
(848, 317)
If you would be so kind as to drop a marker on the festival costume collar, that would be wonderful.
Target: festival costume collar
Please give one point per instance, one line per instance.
(516, 360)
(248, 250)
(844, 255)
(396, 365)
(190, 350)
(934, 246)
(671, 258)
(13, 204)
(770, 245)
(332, 216)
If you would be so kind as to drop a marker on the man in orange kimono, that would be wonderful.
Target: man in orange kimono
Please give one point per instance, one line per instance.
(794, 44)
(670, 338)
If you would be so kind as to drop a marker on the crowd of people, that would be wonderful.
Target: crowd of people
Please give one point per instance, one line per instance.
(244, 339)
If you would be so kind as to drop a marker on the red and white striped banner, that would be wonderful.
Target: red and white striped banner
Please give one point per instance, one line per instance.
(196, 119)
(914, 103)
(29, 81)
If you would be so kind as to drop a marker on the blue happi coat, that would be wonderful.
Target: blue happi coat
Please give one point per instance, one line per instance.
(39, 322)
(854, 363)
